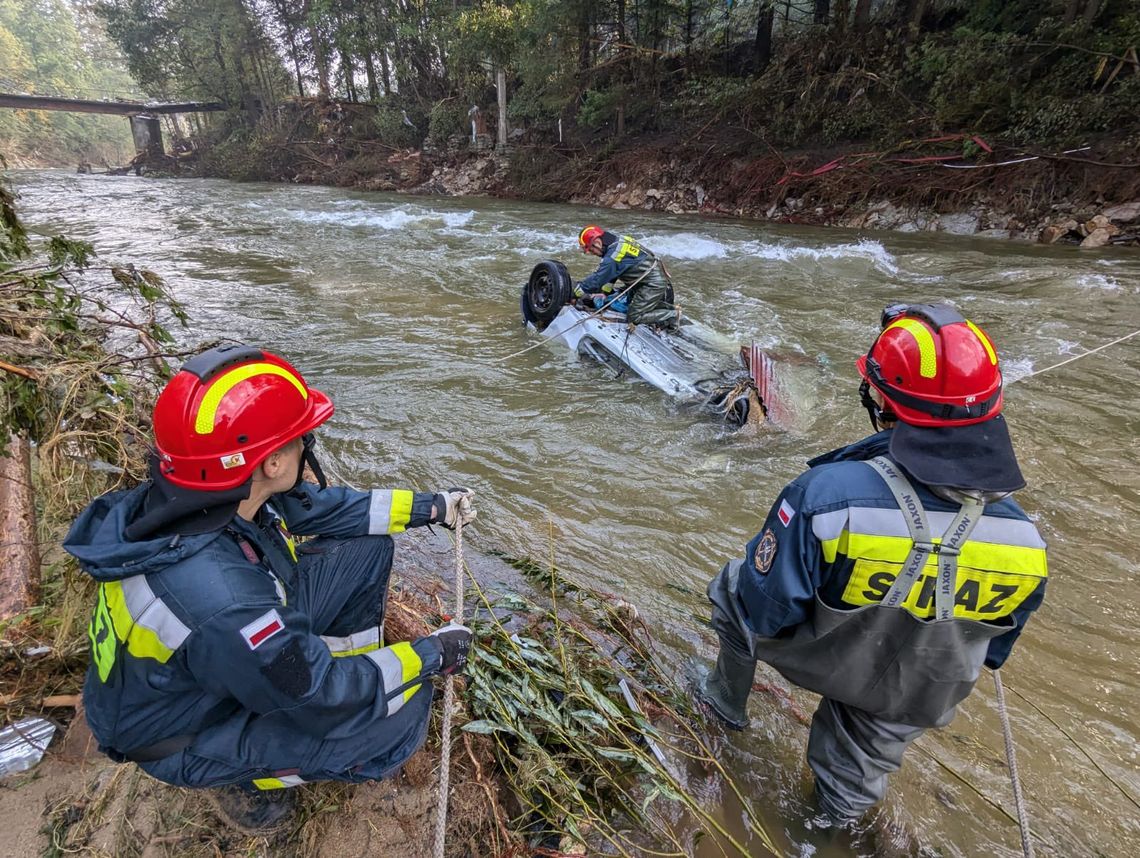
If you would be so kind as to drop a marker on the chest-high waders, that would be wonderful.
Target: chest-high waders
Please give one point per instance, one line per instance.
(884, 673)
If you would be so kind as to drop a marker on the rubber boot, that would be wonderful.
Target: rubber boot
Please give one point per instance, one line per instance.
(725, 689)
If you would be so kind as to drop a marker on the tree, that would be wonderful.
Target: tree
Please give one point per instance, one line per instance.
(765, 15)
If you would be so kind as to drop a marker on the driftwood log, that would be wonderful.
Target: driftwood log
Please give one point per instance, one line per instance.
(19, 552)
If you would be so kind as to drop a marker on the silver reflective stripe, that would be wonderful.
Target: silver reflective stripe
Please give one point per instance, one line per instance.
(829, 525)
(392, 672)
(876, 521)
(355, 643)
(922, 543)
(150, 612)
(380, 512)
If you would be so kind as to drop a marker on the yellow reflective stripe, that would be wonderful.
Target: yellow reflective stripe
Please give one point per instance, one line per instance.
(979, 594)
(411, 664)
(283, 782)
(629, 247)
(834, 547)
(1010, 559)
(208, 410)
(928, 357)
(985, 342)
(104, 643)
(400, 512)
(357, 643)
(141, 642)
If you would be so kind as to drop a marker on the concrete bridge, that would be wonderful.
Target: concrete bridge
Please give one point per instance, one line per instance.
(145, 126)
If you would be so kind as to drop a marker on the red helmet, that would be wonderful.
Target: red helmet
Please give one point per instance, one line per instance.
(226, 410)
(933, 367)
(586, 236)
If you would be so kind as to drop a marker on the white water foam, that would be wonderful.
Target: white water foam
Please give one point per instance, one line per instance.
(386, 220)
(1016, 369)
(1098, 281)
(688, 245)
(867, 249)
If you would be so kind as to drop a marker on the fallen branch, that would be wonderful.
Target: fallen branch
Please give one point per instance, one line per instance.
(18, 370)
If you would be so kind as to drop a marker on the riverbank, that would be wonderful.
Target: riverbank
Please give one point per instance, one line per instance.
(957, 184)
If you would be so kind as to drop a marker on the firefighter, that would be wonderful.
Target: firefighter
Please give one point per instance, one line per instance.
(223, 652)
(892, 570)
(650, 301)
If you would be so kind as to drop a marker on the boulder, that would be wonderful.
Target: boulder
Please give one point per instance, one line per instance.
(1100, 236)
(1097, 222)
(961, 223)
(1053, 232)
(1125, 213)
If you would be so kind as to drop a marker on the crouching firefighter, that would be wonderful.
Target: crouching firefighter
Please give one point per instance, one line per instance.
(628, 268)
(224, 653)
(889, 572)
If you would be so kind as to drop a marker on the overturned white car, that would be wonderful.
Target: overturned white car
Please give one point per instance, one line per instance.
(693, 363)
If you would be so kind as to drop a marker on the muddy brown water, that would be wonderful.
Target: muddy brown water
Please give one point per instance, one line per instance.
(400, 308)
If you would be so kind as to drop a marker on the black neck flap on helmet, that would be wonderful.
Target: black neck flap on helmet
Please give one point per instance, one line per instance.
(212, 361)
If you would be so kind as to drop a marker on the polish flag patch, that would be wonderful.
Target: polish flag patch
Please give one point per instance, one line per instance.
(262, 629)
(785, 513)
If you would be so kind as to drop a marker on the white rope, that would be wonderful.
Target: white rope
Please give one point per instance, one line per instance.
(449, 701)
(1018, 798)
(582, 321)
(1077, 357)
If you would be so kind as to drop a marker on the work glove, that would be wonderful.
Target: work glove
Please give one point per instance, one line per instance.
(579, 292)
(455, 641)
(454, 504)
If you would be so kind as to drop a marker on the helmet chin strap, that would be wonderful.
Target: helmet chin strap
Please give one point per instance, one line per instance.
(308, 457)
(876, 412)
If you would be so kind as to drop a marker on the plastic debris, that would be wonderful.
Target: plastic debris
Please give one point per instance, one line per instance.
(23, 744)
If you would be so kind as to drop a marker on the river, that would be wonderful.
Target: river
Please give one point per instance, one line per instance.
(403, 308)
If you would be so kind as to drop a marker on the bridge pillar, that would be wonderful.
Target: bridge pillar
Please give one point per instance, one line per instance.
(147, 133)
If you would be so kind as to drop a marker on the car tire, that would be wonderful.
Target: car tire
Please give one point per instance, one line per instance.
(547, 291)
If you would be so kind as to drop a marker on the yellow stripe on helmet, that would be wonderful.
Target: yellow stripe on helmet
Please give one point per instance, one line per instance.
(985, 342)
(208, 410)
(928, 356)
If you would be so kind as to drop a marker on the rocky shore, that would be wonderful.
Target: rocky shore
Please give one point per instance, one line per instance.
(1086, 219)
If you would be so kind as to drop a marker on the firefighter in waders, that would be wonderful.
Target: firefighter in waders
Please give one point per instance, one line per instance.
(626, 263)
(892, 570)
(223, 652)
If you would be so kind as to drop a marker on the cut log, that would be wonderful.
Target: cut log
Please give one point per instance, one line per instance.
(19, 553)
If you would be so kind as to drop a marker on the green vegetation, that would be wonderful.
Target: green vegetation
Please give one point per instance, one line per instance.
(52, 47)
(82, 350)
(756, 73)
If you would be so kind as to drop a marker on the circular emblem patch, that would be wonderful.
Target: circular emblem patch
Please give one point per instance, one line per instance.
(765, 552)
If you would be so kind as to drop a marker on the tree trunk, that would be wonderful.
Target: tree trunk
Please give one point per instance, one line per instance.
(348, 72)
(19, 552)
(688, 30)
(501, 86)
(1091, 10)
(822, 11)
(1071, 11)
(764, 36)
(320, 57)
(917, 13)
(862, 14)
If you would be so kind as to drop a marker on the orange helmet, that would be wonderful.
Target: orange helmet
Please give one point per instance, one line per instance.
(226, 410)
(934, 368)
(586, 236)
